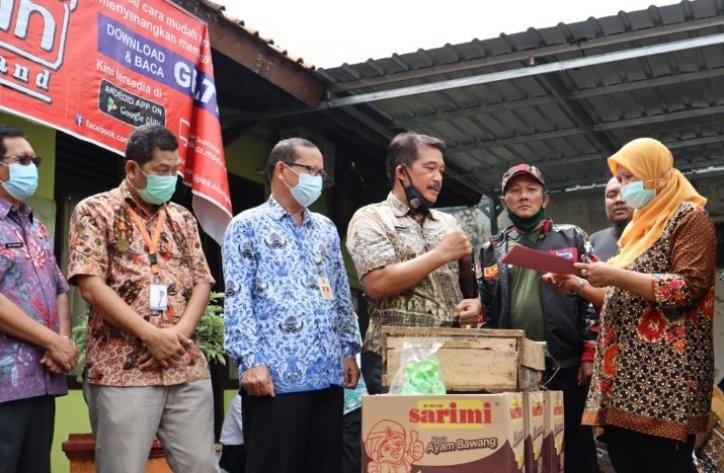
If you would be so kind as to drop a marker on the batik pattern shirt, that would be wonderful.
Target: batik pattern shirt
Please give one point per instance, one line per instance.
(275, 313)
(104, 242)
(654, 367)
(387, 233)
(30, 279)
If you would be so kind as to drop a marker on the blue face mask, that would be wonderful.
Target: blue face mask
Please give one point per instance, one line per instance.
(636, 196)
(23, 181)
(307, 190)
(158, 190)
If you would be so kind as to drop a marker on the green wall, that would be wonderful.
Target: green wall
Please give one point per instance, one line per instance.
(246, 157)
(228, 396)
(71, 416)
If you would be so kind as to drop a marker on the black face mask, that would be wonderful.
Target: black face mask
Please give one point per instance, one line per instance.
(414, 197)
(527, 224)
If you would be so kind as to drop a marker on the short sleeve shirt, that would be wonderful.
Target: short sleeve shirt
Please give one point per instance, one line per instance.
(105, 242)
(30, 279)
(387, 233)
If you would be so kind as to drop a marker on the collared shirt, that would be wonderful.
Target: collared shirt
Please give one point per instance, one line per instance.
(29, 278)
(605, 242)
(275, 313)
(387, 233)
(105, 242)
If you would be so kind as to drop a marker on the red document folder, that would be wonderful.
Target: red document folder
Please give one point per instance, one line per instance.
(538, 260)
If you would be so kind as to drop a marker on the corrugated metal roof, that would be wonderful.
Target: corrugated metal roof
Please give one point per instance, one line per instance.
(567, 122)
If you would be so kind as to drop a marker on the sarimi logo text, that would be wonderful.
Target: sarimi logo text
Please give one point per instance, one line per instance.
(33, 37)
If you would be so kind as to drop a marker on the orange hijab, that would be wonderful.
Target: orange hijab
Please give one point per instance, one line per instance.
(652, 162)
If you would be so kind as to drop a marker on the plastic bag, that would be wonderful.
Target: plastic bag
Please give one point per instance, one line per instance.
(529, 379)
(419, 370)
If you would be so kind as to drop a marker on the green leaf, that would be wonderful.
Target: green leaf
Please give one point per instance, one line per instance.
(210, 330)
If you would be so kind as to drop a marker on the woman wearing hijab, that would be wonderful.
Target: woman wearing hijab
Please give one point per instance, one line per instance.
(653, 373)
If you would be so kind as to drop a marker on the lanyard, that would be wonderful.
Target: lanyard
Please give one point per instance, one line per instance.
(150, 241)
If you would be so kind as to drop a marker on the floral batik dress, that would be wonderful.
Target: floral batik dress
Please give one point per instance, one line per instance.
(654, 365)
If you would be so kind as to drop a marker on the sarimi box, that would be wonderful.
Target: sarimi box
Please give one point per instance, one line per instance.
(443, 434)
(534, 427)
(553, 427)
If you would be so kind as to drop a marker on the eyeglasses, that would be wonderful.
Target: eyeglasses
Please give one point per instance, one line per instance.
(311, 170)
(24, 160)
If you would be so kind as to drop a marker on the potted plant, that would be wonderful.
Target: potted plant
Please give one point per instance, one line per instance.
(210, 330)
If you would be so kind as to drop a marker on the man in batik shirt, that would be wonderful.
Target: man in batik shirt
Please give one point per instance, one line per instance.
(35, 349)
(137, 260)
(407, 255)
(290, 324)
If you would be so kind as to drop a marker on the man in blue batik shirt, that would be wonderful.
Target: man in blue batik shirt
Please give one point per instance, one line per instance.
(290, 323)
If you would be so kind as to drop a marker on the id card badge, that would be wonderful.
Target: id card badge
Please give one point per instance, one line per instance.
(325, 288)
(159, 297)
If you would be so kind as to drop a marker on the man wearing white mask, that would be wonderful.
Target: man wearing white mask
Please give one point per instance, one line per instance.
(35, 350)
(137, 260)
(290, 323)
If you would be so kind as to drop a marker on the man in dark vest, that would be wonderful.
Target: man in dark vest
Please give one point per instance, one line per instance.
(515, 297)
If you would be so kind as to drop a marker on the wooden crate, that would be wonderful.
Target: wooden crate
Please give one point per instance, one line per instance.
(471, 360)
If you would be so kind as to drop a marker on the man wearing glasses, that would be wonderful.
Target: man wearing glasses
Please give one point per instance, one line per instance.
(290, 323)
(137, 260)
(35, 349)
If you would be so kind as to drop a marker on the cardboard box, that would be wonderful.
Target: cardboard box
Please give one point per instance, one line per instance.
(534, 427)
(471, 360)
(553, 428)
(463, 433)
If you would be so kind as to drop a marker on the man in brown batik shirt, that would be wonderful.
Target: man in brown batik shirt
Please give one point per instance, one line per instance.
(137, 260)
(406, 254)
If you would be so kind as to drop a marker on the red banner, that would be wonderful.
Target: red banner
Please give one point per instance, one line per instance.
(96, 69)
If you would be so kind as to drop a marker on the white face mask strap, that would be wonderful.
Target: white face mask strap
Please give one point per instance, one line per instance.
(282, 177)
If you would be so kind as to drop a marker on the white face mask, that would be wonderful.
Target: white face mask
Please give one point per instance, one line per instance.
(307, 190)
(636, 195)
(23, 181)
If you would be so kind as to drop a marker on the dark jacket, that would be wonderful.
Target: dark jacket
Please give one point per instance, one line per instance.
(564, 315)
